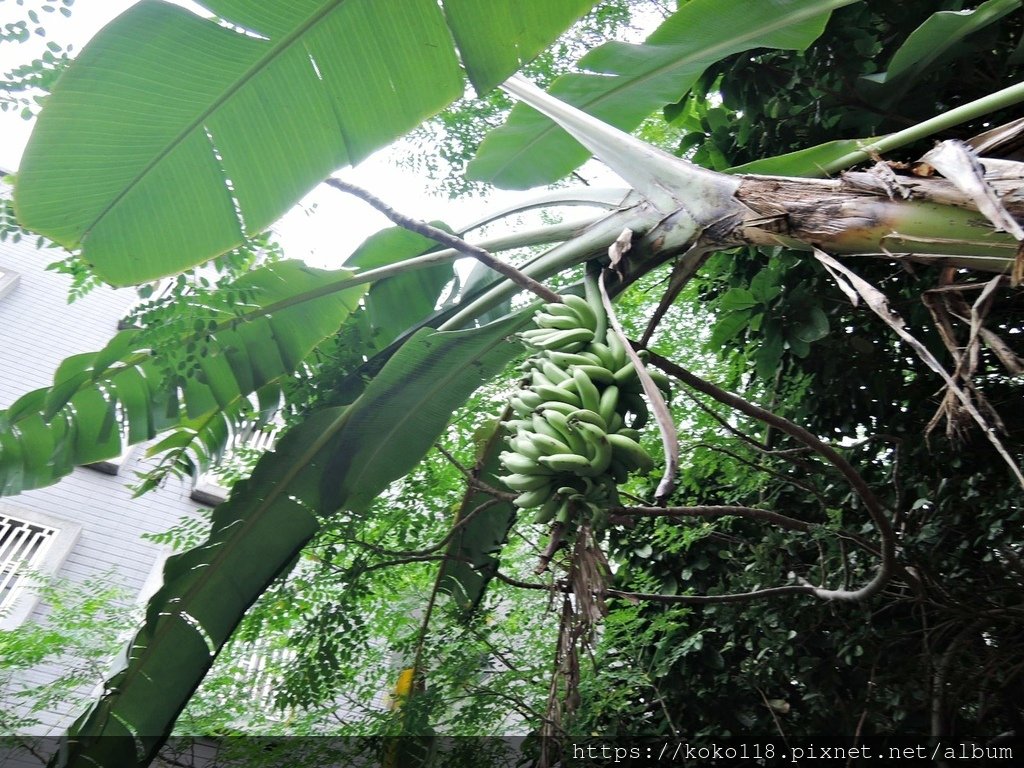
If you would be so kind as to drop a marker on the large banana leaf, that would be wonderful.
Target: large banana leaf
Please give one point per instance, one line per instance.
(121, 394)
(172, 135)
(632, 81)
(339, 458)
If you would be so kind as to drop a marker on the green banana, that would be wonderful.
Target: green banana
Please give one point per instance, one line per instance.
(561, 309)
(546, 445)
(630, 452)
(516, 424)
(602, 457)
(592, 358)
(571, 340)
(599, 448)
(565, 462)
(606, 406)
(524, 444)
(583, 310)
(565, 359)
(604, 355)
(521, 482)
(558, 405)
(587, 416)
(530, 399)
(596, 373)
(547, 510)
(533, 498)
(661, 381)
(533, 335)
(545, 320)
(568, 434)
(625, 375)
(554, 373)
(564, 513)
(546, 392)
(617, 350)
(542, 425)
(538, 379)
(589, 396)
(520, 464)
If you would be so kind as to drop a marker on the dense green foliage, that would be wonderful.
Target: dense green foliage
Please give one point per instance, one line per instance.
(948, 630)
(83, 625)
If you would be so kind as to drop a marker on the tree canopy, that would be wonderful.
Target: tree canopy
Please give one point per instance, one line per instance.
(838, 554)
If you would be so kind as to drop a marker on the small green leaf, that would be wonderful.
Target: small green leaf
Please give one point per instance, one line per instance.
(763, 287)
(812, 327)
(728, 327)
(767, 356)
(737, 298)
(798, 347)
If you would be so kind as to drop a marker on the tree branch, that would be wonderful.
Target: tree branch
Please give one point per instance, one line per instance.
(445, 238)
(887, 548)
(430, 549)
(475, 482)
(753, 513)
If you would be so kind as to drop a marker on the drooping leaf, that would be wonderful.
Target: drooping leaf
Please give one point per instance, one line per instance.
(171, 135)
(101, 401)
(632, 81)
(937, 39)
(338, 458)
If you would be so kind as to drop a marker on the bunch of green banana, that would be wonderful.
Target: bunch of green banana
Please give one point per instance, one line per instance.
(568, 326)
(576, 432)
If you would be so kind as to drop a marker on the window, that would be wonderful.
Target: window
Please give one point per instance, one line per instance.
(8, 280)
(22, 545)
(30, 542)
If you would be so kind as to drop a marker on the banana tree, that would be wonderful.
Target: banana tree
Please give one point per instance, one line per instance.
(233, 118)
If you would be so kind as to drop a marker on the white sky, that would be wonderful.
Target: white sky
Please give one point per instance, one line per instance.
(326, 225)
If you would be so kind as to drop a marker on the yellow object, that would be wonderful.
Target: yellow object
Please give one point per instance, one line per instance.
(403, 687)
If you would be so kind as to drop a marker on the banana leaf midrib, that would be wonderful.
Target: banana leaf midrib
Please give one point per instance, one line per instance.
(235, 86)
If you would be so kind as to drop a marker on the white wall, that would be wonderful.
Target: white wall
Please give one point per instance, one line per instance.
(38, 329)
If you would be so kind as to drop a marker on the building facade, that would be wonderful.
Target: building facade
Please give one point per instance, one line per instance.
(87, 526)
